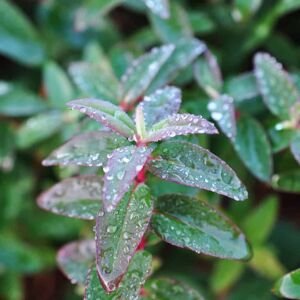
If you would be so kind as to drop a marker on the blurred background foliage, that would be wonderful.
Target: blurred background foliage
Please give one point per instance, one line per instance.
(38, 42)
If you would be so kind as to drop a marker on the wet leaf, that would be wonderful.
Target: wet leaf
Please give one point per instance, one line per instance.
(159, 7)
(223, 112)
(105, 113)
(76, 197)
(167, 289)
(179, 124)
(275, 85)
(75, 259)
(295, 148)
(252, 146)
(162, 103)
(87, 149)
(123, 166)
(190, 223)
(129, 289)
(288, 181)
(289, 285)
(142, 71)
(118, 233)
(281, 139)
(191, 165)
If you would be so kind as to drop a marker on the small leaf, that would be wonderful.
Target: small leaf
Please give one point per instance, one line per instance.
(76, 197)
(281, 139)
(92, 81)
(142, 71)
(192, 165)
(105, 113)
(252, 146)
(288, 181)
(87, 149)
(123, 166)
(190, 223)
(159, 7)
(160, 104)
(118, 233)
(129, 289)
(223, 112)
(186, 51)
(75, 259)
(295, 148)
(58, 87)
(276, 87)
(179, 124)
(289, 285)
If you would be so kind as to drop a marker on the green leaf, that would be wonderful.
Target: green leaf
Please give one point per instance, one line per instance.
(289, 285)
(105, 113)
(39, 128)
(159, 7)
(259, 223)
(58, 87)
(142, 71)
(168, 289)
(252, 146)
(18, 38)
(118, 233)
(245, 8)
(75, 259)
(295, 148)
(281, 139)
(190, 223)
(223, 112)
(173, 28)
(123, 166)
(288, 181)
(7, 148)
(138, 270)
(275, 85)
(201, 22)
(87, 149)
(191, 165)
(77, 197)
(18, 102)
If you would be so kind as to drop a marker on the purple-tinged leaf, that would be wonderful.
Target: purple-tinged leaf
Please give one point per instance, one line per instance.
(105, 113)
(129, 289)
(295, 148)
(191, 165)
(180, 124)
(118, 233)
(75, 259)
(123, 166)
(159, 7)
(88, 149)
(160, 104)
(223, 112)
(140, 74)
(76, 197)
(275, 85)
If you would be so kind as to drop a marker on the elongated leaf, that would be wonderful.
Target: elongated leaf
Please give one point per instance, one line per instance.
(223, 112)
(58, 87)
(18, 38)
(192, 165)
(77, 197)
(129, 289)
(189, 223)
(252, 146)
(118, 234)
(105, 113)
(88, 149)
(159, 7)
(159, 105)
(295, 148)
(75, 259)
(141, 73)
(276, 87)
(92, 81)
(180, 124)
(289, 285)
(288, 181)
(123, 166)
(186, 51)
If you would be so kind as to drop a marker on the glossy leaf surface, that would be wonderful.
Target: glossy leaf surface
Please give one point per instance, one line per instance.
(105, 113)
(190, 223)
(159, 7)
(289, 285)
(88, 149)
(192, 165)
(118, 233)
(77, 197)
